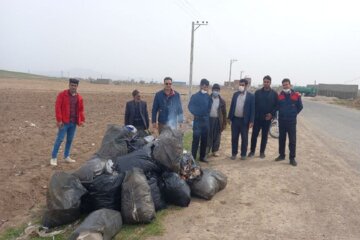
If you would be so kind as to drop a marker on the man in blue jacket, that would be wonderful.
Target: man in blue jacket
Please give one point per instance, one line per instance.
(167, 103)
(199, 106)
(241, 115)
(289, 106)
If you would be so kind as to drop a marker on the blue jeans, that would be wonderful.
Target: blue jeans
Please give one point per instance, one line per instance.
(68, 129)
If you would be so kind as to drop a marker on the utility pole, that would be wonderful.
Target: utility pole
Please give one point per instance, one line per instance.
(231, 62)
(241, 72)
(194, 26)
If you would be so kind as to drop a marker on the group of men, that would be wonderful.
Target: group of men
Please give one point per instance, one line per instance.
(247, 110)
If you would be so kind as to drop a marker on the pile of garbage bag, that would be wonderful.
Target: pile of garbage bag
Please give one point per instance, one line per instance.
(131, 177)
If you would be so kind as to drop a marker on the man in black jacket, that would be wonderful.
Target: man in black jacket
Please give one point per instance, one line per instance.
(265, 109)
(136, 113)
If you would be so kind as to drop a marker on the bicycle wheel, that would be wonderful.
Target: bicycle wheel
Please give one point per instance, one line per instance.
(274, 129)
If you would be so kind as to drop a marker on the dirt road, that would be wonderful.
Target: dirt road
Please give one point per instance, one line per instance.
(264, 199)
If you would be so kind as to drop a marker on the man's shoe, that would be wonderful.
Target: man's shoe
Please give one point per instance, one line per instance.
(262, 155)
(204, 160)
(279, 158)
(233, 157)
(293, 162)
(251, 154)
(53, 162)
(69, 160)
(216, 154)
(243, 157)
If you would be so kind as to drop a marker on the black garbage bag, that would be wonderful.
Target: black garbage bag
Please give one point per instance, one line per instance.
(114, 142)
(91, 168)
(168, 149)
(176, 190)
(211, 182)
(140, 158)
(108, 222)
(63, 200)
(103, 192)
(138, 140)
(157, 185)
(189, 170)
(137, 205)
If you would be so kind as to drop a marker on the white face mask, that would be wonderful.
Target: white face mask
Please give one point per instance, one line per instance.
(203, 91)
(286, 90)
(215, 93)
(241, 88)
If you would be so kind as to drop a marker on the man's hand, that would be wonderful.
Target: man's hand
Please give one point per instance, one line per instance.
(268, 116)
(59, 124)
(251, 125)
(81, 124)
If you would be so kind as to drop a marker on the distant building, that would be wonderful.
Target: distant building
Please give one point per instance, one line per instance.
(102, 81)
(235, 83)
(338, 90)
(179, 83)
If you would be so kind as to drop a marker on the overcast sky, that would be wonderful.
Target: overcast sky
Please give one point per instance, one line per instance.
(306, 41)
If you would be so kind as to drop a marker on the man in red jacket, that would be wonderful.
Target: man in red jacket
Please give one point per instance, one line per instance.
(69, 110)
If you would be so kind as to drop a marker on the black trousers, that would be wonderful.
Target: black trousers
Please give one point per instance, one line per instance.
(238, 127)
(214, 135)
(200, 135)
(287, 127)
(264, 126)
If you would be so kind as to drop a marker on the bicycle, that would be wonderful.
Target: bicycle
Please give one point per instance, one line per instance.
(274, 127)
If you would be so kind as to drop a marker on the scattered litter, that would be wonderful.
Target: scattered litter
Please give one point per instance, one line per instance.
(289, 191)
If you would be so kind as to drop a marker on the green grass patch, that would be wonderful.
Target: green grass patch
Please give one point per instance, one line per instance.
(142, 231)
(11, 74)
(127, 232)
(187, 140)
(11, 233)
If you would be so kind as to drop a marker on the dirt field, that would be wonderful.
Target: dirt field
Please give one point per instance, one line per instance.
(264, 199)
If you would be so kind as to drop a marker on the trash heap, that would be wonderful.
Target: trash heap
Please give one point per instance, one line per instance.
(130, 177)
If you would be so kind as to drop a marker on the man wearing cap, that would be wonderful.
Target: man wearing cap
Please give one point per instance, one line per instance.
(199, 106)
(241, 115)
(69, 112)
(136, 112)
(167, 109)
(217, 120)
(265, 109)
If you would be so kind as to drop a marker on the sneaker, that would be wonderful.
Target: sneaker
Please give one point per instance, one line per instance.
(262, 155)
(279, 158)
(69, 160)
(251, 154)
(293, 162)
(53, 162)
(204, 160)
(216, 154)
(243, 157)
(233, 157)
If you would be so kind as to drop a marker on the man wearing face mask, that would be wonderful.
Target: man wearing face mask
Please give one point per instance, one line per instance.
(289, 106)
(136, 112)
(265, 109)
(199, 106)
(241, 115)
(217, 120)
